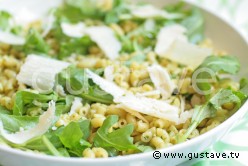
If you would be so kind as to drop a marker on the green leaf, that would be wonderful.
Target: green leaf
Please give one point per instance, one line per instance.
(244, 86)
(175, 7)
(89, 8)
(4, 110)
(63, 105)
(212, 66)
(4, 20)
(77, 46)
(209, 109)
(119, 139)
(144, 148)
(64, 152)
(85, 128)
(222, 64)
(35, 43)
(71, 135)
(77, 81)
(79, 10)
(112, 152)
(70, 13)
(140, 39)
(13, 123)
(119, 9)
(139, 57)
(38, 144)
(224, 96)
(195, 25)
(50, 146)
(24, 99)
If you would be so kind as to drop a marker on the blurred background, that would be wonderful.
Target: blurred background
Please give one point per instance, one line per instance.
(234, 11)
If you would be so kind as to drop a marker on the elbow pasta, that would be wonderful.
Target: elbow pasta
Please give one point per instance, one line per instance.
(122, 123)
(100, 152)
(157, 142)
(146, 136)
(97, 120)
(88, 153)
(163, 135)
(142, 126)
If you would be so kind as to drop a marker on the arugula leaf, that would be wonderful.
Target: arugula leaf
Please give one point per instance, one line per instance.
(119, 139)
(144, 148)
(192, 20)
(89, 8)
(64, 152)
(74, 45)
(217, 65)
(195, 26)
(85, 128)
(13, 123)
(50, 146)
(63, 105)
(79, 10)
(70, 13)
(224, 96)
(112, 152)
(223, 64)
(244, 86)
(35, 43)
(77, 81)
(4, 110)
(119, 10)
(38, 143)
(72, 137)
(180, 6)
(140, 39)
(139, 57)
(4, 20)
(53, 144)
(24, 99)
(73, 133)
(209, 109)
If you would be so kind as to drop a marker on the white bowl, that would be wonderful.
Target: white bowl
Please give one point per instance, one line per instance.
(224, 36)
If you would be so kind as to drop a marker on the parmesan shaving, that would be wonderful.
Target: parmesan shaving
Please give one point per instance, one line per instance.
(9, 38)
(105, 85)
(149, 11)
(41, 78)
(76, 104)
(152, 107)
(45, 121)
(48, 24)
(25, 12)
(132, 112)
(109, 73)
(73, 30)
(166, 37)
(150, 93)
(184, 116)
(130, 102)
(188, 54)
(161, 80)
(105, 38)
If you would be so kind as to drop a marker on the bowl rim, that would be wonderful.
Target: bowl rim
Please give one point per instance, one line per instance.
(233, 119)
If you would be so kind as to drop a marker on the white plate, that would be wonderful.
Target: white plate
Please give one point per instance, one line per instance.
(224, 36)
